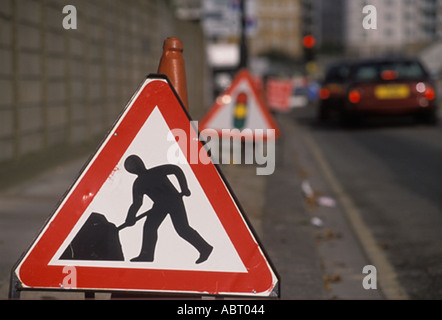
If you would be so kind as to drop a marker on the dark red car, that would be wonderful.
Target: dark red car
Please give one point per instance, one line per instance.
(378, 86)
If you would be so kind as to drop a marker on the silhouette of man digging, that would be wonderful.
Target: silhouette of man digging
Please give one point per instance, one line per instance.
(166, 200)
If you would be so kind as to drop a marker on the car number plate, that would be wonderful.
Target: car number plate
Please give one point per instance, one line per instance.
(392, 91)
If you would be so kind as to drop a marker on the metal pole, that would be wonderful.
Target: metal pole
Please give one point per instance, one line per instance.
(14, 286)
(243, 63)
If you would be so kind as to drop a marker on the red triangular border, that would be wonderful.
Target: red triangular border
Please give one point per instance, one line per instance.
(33, 270)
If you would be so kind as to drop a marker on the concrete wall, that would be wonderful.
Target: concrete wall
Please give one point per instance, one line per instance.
(66, 87)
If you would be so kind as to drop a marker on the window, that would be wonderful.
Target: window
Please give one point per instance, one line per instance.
(337, 73)
(403, 70)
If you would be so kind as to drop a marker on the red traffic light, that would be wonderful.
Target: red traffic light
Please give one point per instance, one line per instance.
(308, 41)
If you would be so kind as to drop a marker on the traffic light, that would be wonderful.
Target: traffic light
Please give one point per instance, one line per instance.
(240, 111)
(308, 43)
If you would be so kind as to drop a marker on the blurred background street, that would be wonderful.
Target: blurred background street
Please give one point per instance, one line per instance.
(344, 194)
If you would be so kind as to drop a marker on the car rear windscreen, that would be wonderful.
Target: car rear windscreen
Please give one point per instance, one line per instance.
(408, 70)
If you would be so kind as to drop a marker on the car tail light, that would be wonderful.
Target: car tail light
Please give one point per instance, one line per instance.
(354, 96)
(429, 93)
(324, 93)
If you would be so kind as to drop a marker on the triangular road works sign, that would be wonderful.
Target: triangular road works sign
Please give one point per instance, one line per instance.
(241, 107)
(142, 216)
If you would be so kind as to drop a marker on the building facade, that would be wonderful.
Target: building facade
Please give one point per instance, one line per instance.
(402, 25)
(278, 27)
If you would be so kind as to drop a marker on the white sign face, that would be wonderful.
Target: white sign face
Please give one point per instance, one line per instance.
(171, 251)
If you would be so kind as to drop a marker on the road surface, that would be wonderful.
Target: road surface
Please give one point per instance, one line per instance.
(391, 170)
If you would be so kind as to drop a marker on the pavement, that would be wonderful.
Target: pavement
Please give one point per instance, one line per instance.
(299, 219)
